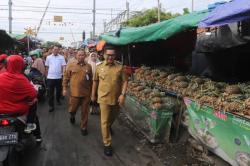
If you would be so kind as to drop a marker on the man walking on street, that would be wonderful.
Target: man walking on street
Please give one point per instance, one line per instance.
(78, 75)
(112, 85)
(55, 64)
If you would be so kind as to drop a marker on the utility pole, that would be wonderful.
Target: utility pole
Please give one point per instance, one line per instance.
(94, 12)
(91, 35)
(127, 8)
(73, 37)
(111, 13)
(41, 21)
(104, 25)
(10, 16)
(192, 9)
(159, 11)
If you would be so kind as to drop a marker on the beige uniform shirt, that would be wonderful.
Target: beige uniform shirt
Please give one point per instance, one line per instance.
(79, 77)
(110, 78)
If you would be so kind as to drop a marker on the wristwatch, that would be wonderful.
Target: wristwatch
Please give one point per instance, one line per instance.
(124, 94)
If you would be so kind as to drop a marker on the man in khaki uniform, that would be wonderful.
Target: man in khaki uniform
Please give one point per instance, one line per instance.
(78, 75)
(112, 85)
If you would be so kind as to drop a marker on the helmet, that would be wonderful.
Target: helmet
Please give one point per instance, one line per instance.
(34, 53)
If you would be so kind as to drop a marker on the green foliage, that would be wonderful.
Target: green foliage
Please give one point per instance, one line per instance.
(186, 11)
(50, 44)
(149, 16)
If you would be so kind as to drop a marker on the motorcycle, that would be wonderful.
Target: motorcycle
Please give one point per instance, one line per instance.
(13, 140)
(39, 82)
(40, 87)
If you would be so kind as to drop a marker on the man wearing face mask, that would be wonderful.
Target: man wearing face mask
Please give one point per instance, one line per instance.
(112, 85)
(78, 76)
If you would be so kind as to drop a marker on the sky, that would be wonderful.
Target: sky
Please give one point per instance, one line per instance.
(77, 15)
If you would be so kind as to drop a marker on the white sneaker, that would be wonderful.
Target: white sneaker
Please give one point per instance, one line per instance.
(30, 127)
(39, 139)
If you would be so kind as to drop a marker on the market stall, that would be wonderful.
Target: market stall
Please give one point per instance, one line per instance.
(205, 73)
(220, 119)
(24, 43)
(224, 133)
(162, 41)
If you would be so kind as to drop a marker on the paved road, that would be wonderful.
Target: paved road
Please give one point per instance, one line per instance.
(63, 144)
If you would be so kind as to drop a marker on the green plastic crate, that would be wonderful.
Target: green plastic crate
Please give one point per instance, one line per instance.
(154, 124)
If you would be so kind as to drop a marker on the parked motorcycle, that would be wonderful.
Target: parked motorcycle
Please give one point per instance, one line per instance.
(13, 140)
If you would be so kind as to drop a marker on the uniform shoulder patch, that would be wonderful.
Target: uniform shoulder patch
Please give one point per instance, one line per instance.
(99, 63)
(118, 62)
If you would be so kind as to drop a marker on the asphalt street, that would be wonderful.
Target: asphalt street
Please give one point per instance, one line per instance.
(63, 144)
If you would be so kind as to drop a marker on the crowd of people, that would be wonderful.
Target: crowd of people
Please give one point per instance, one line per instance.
(96, 83)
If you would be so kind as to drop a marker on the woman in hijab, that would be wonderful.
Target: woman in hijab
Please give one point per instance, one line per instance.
(16, 94)
(93, 61)
(38, 64)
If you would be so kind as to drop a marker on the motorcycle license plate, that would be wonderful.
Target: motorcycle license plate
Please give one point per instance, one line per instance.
(8, 138)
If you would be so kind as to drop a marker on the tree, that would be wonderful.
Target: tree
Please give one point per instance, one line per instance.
(50, 44)
(185, 11)
(148, 17)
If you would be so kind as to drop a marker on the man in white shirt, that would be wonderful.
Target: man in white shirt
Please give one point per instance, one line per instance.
(55, 64)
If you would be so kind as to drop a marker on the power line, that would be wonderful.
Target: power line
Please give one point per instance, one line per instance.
(29, 21)
(50, 32)
(39, 11)
(29, 2)
(63, 8)
(32, 18)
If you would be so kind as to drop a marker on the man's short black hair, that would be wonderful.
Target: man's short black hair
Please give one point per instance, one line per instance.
(109, 47)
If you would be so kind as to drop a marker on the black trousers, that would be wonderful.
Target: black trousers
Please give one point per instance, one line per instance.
(33, 118)
(52, 85)
(37, 131)
(32, 113)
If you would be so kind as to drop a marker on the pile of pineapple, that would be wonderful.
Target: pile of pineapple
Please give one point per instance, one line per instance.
(219, 95)
(150, 97)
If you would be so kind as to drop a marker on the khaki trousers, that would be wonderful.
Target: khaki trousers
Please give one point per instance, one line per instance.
(74, 103)
(108, 115)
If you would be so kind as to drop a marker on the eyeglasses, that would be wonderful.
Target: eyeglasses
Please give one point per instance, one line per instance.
(112, 55)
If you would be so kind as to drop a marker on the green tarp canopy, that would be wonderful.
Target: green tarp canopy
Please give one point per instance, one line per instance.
(18, 37)
(157, 31)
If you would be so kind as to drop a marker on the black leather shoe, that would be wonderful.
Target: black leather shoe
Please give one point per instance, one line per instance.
(72, 119)
(84, 132)
(111, 131)
(108, 151)
(51, 109)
